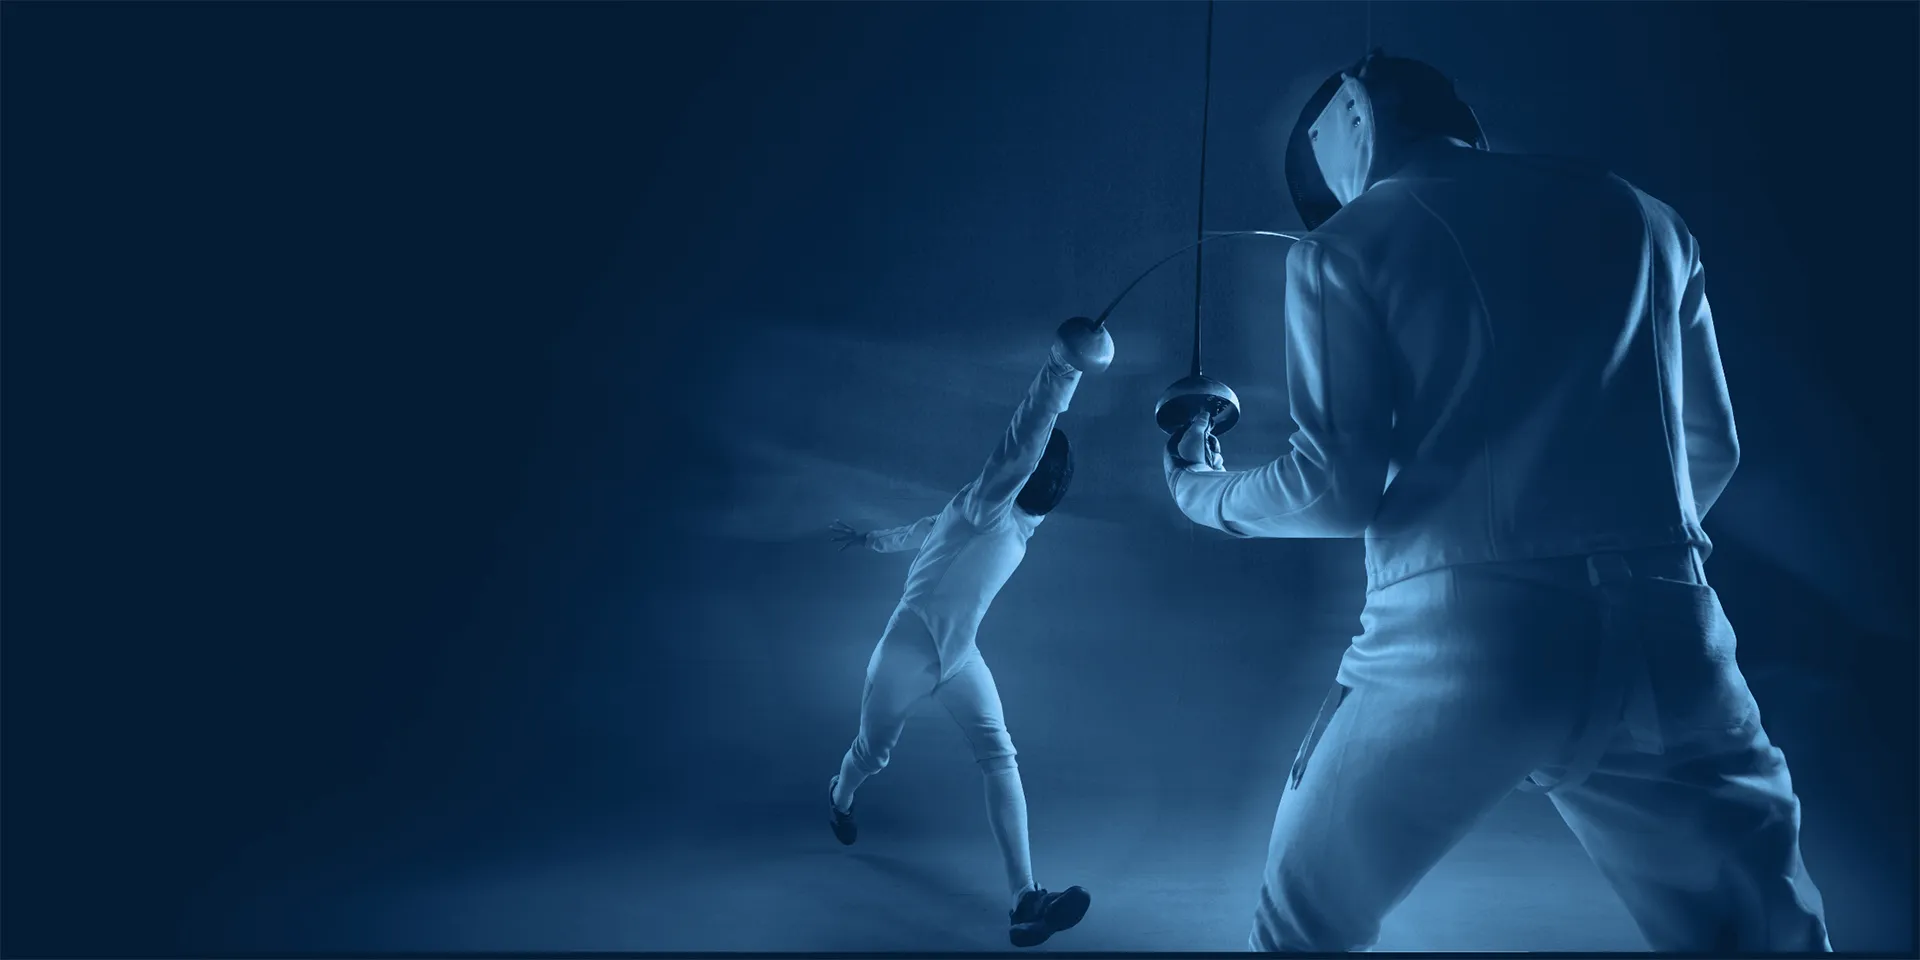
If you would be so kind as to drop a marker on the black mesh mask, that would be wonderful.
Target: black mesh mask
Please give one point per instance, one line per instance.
(1423, 100)
(1048, 483)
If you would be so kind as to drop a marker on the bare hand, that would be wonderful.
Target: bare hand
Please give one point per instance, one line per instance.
(845, 535)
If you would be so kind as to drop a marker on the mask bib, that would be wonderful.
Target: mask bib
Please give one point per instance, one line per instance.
(1343, 140)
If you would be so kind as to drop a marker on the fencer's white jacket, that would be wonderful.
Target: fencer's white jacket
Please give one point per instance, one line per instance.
(1490, 357)
(970, 548)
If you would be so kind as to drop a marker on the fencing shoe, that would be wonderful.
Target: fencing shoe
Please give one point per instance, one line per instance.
(844, 828)
(1040, 914)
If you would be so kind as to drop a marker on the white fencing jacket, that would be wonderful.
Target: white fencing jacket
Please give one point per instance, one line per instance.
(1490, 357)
(970, 548)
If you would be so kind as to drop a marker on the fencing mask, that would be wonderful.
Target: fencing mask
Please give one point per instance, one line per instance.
(1330, 155)
(1342, 140)
(1048, 483)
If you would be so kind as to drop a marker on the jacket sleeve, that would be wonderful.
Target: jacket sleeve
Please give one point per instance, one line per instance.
(991, 496)
(897, 539)
(1706, 409)
(1340, 388)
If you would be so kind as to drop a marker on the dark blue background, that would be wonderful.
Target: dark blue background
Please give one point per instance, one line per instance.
(421, 422)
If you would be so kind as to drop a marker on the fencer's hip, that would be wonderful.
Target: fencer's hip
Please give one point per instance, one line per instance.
(1563, 640)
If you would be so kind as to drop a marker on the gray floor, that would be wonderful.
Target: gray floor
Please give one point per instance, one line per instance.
(779, 882)
(902, 888)
(1152, 770)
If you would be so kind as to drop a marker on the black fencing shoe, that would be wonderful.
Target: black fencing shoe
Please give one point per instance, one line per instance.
(1040, 914)
(844, 829)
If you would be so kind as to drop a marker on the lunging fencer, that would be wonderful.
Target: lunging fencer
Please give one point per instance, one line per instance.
(1504, 375)
(966, 552)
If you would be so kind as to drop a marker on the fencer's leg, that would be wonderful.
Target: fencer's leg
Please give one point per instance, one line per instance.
(1704, 850)
(973, 700)
(1007, 815)
(1702, 839)
(901, 672)
(1387, 781)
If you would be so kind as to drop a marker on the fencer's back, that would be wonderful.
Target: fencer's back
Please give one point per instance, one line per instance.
(1531, 304)
(960, 570)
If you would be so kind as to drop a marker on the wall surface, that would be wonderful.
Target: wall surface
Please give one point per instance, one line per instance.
(423, 421)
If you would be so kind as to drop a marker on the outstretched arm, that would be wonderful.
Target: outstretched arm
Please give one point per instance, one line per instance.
(891, 540)
(1706, 409)
(1021, 447)
(1339, 384)
(896, 539)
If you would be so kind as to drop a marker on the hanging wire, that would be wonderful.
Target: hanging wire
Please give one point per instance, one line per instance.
(1202, 237)
(1200, 218)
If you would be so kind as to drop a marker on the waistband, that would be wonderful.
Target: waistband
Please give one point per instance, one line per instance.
(1679, 563)
(1391, 559)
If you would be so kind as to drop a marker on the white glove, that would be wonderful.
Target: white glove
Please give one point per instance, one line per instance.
(1196, 447)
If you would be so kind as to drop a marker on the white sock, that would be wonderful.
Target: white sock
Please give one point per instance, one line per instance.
(1007, 815)
(849, 780)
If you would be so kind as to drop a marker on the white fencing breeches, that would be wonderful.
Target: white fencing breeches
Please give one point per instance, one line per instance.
(1613, 674)
(905, 670)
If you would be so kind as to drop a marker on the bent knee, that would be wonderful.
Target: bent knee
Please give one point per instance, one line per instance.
(869, 757)
(992, 747)
(989, 742)
(1296, 915)
(996, 764)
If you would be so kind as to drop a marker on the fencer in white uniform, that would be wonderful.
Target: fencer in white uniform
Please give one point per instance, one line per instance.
(966, 552)
(1504, 374)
